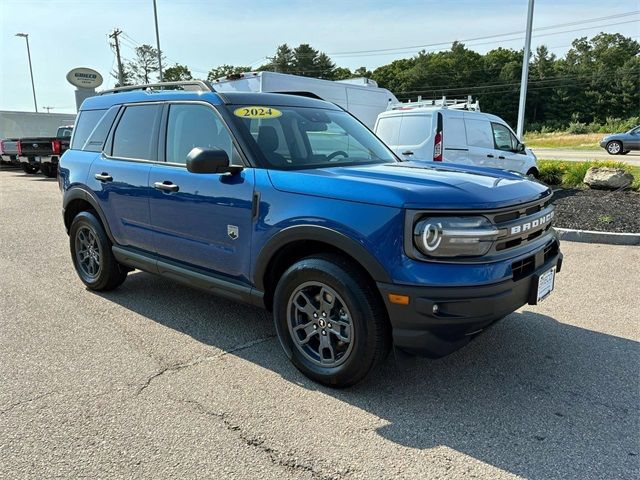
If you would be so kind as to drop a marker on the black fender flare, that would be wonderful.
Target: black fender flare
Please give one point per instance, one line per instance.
(321, 234)
(79, 193)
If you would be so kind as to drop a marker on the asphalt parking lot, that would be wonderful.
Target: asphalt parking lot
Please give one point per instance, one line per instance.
(156, 380)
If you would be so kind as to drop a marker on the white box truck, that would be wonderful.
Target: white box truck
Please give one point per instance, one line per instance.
(360, 96)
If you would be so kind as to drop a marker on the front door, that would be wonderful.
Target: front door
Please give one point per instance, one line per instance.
(506, 144)
(203, 220)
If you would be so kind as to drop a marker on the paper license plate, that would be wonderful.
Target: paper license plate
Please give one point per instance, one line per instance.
(545, 284)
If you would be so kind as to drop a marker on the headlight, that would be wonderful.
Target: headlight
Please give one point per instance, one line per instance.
(454, 236)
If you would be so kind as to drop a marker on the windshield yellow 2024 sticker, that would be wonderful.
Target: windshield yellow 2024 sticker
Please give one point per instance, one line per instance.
(257, 112)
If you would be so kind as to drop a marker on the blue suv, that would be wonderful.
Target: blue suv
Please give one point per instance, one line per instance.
(290, 203)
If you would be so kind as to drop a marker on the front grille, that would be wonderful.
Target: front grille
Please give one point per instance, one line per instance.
(551, 251)
(523, 268)
(522, 224)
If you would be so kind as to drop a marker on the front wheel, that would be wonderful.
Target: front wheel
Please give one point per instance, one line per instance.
(614, 147)
(330, 320)
(91, 254)
(30, 169)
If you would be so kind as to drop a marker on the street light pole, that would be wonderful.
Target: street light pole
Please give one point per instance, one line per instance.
(33, 85)
(155, 15)
(525, 72)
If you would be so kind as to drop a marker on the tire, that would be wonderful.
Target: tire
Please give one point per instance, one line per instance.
(91, 254)
(533, 174)
(350, 301)
(614, 147)
(49, 170)
(30, 169)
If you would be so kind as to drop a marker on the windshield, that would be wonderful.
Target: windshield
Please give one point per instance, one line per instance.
(292, 138)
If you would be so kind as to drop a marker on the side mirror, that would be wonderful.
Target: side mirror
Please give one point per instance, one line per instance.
(520, 148)
(210, 160)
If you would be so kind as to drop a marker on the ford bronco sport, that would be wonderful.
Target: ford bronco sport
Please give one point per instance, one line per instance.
(290, 203)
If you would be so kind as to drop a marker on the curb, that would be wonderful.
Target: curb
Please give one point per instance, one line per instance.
(590, 236)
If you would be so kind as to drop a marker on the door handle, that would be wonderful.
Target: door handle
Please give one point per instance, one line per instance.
(407, 152)
(166, 186)
(490, 155)
(103, 177)
(501, 157)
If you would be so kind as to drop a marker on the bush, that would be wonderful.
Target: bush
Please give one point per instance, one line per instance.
(551, 171)
(577, 128)
(571, 174)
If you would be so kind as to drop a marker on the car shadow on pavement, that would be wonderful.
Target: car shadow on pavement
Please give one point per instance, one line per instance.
(531, 396)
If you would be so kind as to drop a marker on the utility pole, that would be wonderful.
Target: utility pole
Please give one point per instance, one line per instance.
(525, 72)
(155, 15)
(33, 85)
(114, 35)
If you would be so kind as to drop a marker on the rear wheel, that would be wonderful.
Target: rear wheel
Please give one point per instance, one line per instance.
(614, 147)
(91, 254)
(49, 170)
(533, 174)
(330, 320)
(30, 169)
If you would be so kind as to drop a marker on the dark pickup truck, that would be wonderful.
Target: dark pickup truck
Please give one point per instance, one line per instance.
(43, 153)
(9, 150)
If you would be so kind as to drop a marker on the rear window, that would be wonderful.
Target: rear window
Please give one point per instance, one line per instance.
(388, 129)
(96, 140)
(414, 129)
(135, 136)
(87, 120)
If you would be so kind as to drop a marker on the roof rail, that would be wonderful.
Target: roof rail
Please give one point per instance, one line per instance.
(196, 85)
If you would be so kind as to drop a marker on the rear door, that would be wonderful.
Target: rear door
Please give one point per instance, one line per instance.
(455, 138)
(204, 220)
(415, 139)
(480, 142)
(119, 177)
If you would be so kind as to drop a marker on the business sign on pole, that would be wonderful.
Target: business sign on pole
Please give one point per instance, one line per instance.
(82, 77)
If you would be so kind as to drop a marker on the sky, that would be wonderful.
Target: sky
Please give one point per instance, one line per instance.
(202, 34)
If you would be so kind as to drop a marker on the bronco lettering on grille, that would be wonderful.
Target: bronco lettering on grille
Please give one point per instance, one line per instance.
(538, 222)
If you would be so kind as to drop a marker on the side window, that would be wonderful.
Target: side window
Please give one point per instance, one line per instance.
(388, 129)
(87, 120)
(479, 133)
(191, 126)
(96, 140)
(135, 134)
(414, 129)
(503, 138)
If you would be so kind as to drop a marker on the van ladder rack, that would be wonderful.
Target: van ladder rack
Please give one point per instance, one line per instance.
(455, 104)
(196, 85)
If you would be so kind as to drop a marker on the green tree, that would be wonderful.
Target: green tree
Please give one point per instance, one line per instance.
(144, 65)
(176, 73)
(224, 70)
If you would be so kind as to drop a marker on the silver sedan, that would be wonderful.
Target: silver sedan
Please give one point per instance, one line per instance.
(621, 143)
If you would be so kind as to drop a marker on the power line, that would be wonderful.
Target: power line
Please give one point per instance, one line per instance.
(507, 34)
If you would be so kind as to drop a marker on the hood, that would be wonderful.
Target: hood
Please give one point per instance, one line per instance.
(413, 185)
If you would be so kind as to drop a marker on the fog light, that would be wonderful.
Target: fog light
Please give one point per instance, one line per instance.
(435, 308)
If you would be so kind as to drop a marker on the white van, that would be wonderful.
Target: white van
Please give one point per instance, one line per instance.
(454, 135)
(360, 96)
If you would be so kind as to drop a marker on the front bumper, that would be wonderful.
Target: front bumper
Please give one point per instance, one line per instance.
(461, 311)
